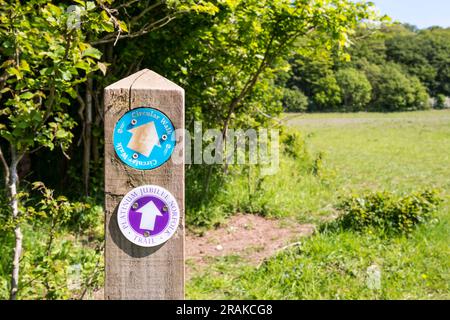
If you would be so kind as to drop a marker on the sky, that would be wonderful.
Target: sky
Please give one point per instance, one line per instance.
(421, 13)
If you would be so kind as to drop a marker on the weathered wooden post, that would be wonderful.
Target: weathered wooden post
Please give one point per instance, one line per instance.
(144, 188)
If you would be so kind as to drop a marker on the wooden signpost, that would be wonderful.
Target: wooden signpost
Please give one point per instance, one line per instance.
(133, 271)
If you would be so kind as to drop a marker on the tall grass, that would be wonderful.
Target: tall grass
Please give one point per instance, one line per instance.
(351, 153)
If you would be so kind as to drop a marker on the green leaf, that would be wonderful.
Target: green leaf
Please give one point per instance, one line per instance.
(7, 63)
(26, 95)
(123, 26)
(37, 184)
(24, 65)
(54, 9)
(61, 134)
(90, 5)
(65, 101)
(107, 26)
(66, 75)
(15, 72)
(92, 52)
(82, 65)
(72, 92)
(104, 16)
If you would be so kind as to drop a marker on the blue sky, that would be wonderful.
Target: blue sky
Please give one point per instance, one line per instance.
(422, 13)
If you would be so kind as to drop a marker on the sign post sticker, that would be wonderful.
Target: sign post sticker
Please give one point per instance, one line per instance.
(148, 215)
(144, 138)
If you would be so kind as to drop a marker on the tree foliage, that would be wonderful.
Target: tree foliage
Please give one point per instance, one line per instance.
(228, 63)
(43, 59)
(404, 66)
(396, 91)
(356, 90)
(294, 100)
(426, 55)
(44, 55)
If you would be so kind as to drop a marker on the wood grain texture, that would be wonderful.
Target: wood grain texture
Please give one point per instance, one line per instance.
(133, 272)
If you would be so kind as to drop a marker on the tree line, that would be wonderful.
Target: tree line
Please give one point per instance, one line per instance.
(392, 68)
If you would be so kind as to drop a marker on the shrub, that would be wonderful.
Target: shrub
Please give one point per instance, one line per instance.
(396, 91)
(294, 100)
(356, 90)
(293, 144)
(440, 102)
(327, 94)
(62, 247)
(387, 212)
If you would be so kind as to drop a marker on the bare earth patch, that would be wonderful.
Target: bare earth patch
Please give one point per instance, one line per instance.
(250, 236)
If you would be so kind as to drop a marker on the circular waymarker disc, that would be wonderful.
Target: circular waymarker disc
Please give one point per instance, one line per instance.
(144, 138)
(148, 215)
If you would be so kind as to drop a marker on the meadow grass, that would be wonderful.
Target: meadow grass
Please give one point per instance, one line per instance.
(398, 152)
(335, 266)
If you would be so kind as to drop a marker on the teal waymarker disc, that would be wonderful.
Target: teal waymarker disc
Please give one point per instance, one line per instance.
(144, 138)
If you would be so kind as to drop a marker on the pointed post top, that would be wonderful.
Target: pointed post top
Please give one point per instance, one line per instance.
(145, 79)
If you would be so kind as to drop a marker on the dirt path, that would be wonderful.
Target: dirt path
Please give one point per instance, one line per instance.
(250, 236)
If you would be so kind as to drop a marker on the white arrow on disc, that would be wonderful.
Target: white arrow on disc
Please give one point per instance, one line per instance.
(144, 138)
(149, 213)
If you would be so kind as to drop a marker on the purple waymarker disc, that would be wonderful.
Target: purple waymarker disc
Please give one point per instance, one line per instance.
(148, 215)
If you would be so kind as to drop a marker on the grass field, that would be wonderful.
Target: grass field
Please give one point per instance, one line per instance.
(397, 152)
